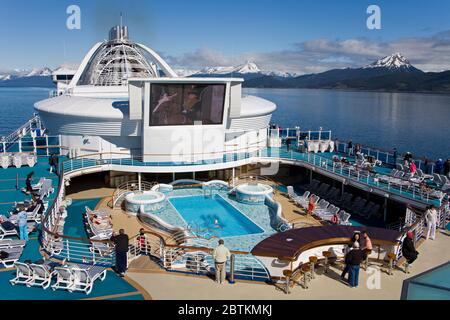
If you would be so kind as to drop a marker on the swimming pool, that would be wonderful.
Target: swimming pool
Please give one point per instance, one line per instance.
(213, 216)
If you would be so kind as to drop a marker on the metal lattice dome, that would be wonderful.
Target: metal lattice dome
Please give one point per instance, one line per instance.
(117, 60)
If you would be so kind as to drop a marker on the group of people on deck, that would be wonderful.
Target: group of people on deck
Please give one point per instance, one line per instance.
(357, 251)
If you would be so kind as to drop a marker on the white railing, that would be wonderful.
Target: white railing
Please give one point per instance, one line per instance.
(130, 186)
(23, 130)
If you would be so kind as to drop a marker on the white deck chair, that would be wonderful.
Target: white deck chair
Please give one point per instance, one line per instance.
(7, 233)
(11, 233)
(84, 278)
(38, 185)
(64, 279)
(17, 160)
(291, 192)
(13, 256)
(42, 277)
(31, 216)
(24, 274)
(7, 243)
(46, 189)
(344, 218)
(30, 160)
(323, 204)
(5, 161)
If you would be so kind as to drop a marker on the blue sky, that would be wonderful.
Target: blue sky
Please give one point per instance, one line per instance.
(288, 35)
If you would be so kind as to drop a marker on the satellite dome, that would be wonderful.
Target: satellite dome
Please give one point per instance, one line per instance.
(117, 60)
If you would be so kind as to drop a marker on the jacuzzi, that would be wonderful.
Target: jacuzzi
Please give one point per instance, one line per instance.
(145, 202)
(253, 193)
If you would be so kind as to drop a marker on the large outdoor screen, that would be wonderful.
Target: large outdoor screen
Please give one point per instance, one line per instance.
(186, 104)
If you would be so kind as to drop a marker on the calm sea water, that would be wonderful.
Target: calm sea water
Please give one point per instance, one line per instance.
(419, 123)
(414, 122)
(16, 106)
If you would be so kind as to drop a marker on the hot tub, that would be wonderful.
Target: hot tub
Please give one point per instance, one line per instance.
(145, 202)
(253, 193)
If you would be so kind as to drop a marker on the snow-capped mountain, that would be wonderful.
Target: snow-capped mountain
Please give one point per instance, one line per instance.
(24, 73)
(36, 77)
(394, 62)
(246, 68)
(44, 72)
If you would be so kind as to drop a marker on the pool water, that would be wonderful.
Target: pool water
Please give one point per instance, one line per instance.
(201, 214)
(142, 197)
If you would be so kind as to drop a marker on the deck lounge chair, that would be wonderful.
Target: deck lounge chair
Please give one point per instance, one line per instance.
(14, 232)
(46, 189)
(13, 256)
(64, 279)
(5, 161)
(7, 243)
(344, 218)
(33, 216)
(42, 276)
(303, 200)
(18, 160)
(323, 204)
(358, 205)
(314, 185)
(84, 278)
(372, 211)
(323, 189)
(24, 274)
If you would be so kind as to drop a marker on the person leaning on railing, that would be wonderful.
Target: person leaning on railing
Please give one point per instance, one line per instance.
(221, 254)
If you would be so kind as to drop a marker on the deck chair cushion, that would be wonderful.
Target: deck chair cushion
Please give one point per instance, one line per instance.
(8, 226)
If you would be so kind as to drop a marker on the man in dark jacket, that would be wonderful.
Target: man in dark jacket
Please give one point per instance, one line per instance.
(408, 250)
(121, 242)
(353, 259)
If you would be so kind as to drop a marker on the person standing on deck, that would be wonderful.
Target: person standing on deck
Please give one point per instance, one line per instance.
(311, 205)
(350, 148)
(28, 186)
(412, 167)
(354, 244)
(53, 161)
(221, 254)
(408, 250)
(22, 221)
(431, 216)
(353, 260)
(439, 166)
(121, 242)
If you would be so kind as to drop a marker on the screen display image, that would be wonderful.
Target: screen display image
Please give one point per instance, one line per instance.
(186, 104)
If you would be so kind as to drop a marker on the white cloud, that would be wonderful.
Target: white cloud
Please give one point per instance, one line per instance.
(427, 53)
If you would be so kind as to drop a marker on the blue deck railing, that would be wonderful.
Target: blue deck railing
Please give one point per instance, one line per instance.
(412, 191)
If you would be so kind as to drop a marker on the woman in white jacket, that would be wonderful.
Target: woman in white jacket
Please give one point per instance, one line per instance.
(431, 216)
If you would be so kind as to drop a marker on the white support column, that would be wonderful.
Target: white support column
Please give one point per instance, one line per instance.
(233, 176)
(34, 145)
(140, 181)
(20, 145)
(193, 175)
(46, 145)
(173, 176)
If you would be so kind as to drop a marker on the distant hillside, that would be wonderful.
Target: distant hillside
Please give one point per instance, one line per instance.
(27, 78)
(33, 81)
(392, 73)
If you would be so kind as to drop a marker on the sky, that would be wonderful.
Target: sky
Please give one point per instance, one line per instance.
(301, 36)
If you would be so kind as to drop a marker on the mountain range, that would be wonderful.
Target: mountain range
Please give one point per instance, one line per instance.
(391, 73)
(27, 78)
